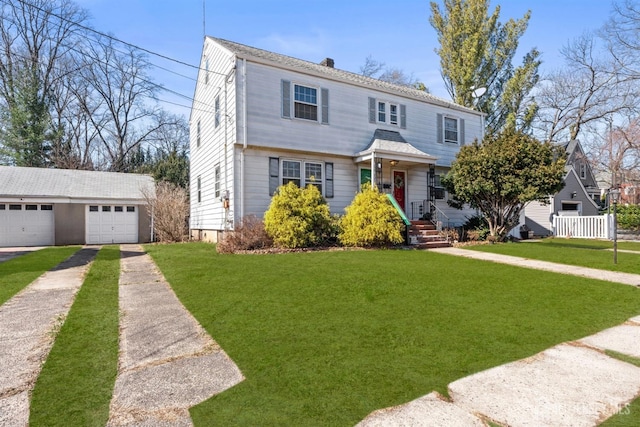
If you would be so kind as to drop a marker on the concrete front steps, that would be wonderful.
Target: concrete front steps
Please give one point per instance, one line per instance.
(423, 235)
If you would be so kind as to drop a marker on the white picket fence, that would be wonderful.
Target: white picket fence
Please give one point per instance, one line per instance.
(583, 227)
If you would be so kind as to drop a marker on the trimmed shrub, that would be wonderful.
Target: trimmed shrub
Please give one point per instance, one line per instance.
(298, 217)
(371, 221)
(628, 217)
(249, 235)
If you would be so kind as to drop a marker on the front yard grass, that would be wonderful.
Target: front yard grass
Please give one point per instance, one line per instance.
(17, 273)
(324, 338)
(76, 382)
(580, 252)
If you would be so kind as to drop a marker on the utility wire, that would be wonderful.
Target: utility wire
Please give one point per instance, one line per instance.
(160, 55)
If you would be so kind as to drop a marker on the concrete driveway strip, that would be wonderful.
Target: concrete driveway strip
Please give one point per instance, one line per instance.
(566, 385)
(28, 323)
(592, 273)
(431, 410)
(168, 362)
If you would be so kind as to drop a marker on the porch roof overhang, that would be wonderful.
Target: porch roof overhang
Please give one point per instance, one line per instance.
(391, 145)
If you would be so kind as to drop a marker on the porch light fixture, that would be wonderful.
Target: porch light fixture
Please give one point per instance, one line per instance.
(614, 197)
(394, 162)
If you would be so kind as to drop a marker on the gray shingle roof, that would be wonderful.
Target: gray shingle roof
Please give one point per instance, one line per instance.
(392, 143)
(248, 52)
(75, 184)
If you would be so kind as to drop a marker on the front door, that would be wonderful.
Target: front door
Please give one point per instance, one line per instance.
(399, 190)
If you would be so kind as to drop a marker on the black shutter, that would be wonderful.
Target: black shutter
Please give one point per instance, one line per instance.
(461, 131)
(403, 116)
(324, 93)
(372, 110)
(286, 99)
(274, 174)
(328, 180)
(439, 135)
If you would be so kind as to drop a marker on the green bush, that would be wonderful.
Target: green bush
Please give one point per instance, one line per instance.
(371, 221)
(297, 217)
(629, 217)
(475, 229)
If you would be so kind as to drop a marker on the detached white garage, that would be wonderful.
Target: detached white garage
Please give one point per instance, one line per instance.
(42, 207)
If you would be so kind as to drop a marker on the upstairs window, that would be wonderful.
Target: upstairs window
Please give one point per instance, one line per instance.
(206, 71)
(450, 130)
(217, 111)
(305, 103)
(583, 171)
(382, 112)
(198, 134)
(387, 113)
(393, 114)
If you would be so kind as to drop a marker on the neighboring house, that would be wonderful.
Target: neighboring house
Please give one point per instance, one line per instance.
(41, 207)
(580, 195)
(261, 119)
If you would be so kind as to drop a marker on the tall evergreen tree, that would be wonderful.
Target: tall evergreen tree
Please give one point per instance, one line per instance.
(476, 51)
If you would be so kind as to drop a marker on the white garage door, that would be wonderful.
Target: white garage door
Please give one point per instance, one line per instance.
(111, 224)
(26, 224)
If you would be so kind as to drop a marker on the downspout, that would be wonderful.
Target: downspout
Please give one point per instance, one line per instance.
(244, 135)
(225, 195)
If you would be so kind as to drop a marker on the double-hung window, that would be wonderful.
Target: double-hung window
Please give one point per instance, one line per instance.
(393, 114)
(305, 102)
(198, 134)
(387, 113)
(217, 111)
(216, 180)
(291, 172)
(302, 173)
(382, 112)
(450, 130)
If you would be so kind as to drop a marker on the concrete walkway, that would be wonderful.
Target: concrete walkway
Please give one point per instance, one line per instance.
(592, 273)
(168, 362)
(28, 324)
(571, 384)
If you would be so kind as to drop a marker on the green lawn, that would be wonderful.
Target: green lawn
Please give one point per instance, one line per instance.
(581, 252)
(17, 273)
(77, 379)
(324, 338)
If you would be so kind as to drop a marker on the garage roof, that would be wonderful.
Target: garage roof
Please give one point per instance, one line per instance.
(71, 183)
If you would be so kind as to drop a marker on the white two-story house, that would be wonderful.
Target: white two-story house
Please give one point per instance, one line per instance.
(260, 119)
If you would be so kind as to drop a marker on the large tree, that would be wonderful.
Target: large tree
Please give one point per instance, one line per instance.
(580, 98)
(504, 172)
(476, 51)
(34, 37)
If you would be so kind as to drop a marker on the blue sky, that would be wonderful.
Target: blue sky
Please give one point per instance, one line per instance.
(395, 32)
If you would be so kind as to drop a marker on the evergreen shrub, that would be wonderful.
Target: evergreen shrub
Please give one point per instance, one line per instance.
(371, 221)
(298, 217)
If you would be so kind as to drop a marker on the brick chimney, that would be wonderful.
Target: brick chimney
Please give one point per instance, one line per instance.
(327, 62)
